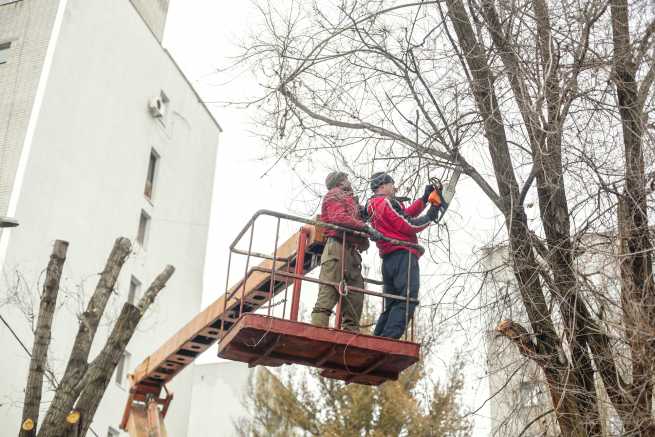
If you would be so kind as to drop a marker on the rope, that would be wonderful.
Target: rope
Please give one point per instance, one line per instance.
(273, 305)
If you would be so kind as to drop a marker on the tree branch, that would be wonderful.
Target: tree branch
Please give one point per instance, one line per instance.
(527, 184)
(102, 367)
(42, 337)
(469, 170)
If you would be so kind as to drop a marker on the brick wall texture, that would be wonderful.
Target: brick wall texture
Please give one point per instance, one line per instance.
(27, 25)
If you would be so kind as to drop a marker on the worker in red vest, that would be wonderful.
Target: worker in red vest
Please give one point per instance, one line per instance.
(400, 269)
(340, 207)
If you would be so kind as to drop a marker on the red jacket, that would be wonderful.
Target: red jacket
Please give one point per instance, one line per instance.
(340, 208)
(393, 220)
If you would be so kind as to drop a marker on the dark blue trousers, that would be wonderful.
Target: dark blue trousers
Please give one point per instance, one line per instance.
(399, 272)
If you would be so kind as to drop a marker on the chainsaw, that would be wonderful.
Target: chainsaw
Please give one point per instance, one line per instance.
(441, 197)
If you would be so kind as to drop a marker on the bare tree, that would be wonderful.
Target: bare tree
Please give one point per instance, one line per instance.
(515, 95)
(80, 390)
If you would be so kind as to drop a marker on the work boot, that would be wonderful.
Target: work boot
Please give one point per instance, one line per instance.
(350, 328)
(321, 318)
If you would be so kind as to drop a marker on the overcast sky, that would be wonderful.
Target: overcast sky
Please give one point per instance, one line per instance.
(203, 36)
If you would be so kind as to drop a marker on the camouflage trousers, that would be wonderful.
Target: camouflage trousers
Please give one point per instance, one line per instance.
(328, 296)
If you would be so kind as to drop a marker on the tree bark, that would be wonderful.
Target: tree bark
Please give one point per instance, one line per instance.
(69, 388)
(102, 368)
(555, 218)
(638, 290)
(42, 337)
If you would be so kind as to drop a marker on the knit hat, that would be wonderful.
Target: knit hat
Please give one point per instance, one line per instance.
(333, 179)
(380, 178)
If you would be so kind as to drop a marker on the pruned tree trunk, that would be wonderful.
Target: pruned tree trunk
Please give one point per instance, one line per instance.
(102, 368)
(69, 388)
(78, 395)
(42, 337)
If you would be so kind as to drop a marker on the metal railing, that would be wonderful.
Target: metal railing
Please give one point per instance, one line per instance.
(299, 262)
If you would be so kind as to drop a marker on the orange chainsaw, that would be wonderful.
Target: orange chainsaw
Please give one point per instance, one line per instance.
(440, 199)
(435, 197)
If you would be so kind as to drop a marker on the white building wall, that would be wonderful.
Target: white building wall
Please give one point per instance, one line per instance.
(518, 391)
(218, 393)
(27, 25)
(517, 385)
(84, 183)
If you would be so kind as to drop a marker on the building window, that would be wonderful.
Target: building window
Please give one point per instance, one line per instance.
(4, 52)
(530, 394)
(121, 369)
(153, 165)
(614, 425)
(135, 290)
(111, 432)
(144, 229)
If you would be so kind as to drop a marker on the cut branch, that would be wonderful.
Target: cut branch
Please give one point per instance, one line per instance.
(522, 339)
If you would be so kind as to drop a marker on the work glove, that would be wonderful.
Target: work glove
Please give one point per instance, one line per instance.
(374, 234)
(433, 212)
(426, 193)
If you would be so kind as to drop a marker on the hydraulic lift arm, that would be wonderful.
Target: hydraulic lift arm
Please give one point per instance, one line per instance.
(142, 416)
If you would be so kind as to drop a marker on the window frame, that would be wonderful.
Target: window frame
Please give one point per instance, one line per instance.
(530, 393)
(5, 50)
(122, 368)
(151, 174)
(143, 231)
(134, 291)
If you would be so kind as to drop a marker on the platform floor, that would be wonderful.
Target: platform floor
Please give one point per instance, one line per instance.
(363, 359)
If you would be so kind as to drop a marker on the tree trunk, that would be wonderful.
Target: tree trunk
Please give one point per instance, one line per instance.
(637, 289)
(69, 388)
(561, 385)
(42, 337)
(102, 368)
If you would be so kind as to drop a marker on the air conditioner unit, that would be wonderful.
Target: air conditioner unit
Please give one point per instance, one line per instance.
(156, 106)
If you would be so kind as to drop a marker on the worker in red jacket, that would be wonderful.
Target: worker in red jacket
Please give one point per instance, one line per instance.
(340, 207)
(400, 269)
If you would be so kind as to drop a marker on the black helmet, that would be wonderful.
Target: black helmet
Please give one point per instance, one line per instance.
(380, 178)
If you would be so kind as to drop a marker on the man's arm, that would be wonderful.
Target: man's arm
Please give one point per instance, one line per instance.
(401, 221)
(415, 208)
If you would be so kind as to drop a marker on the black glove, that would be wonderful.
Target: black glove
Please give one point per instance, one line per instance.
(363, 213)
(426, 193)
(374, 234)
(433, 212)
